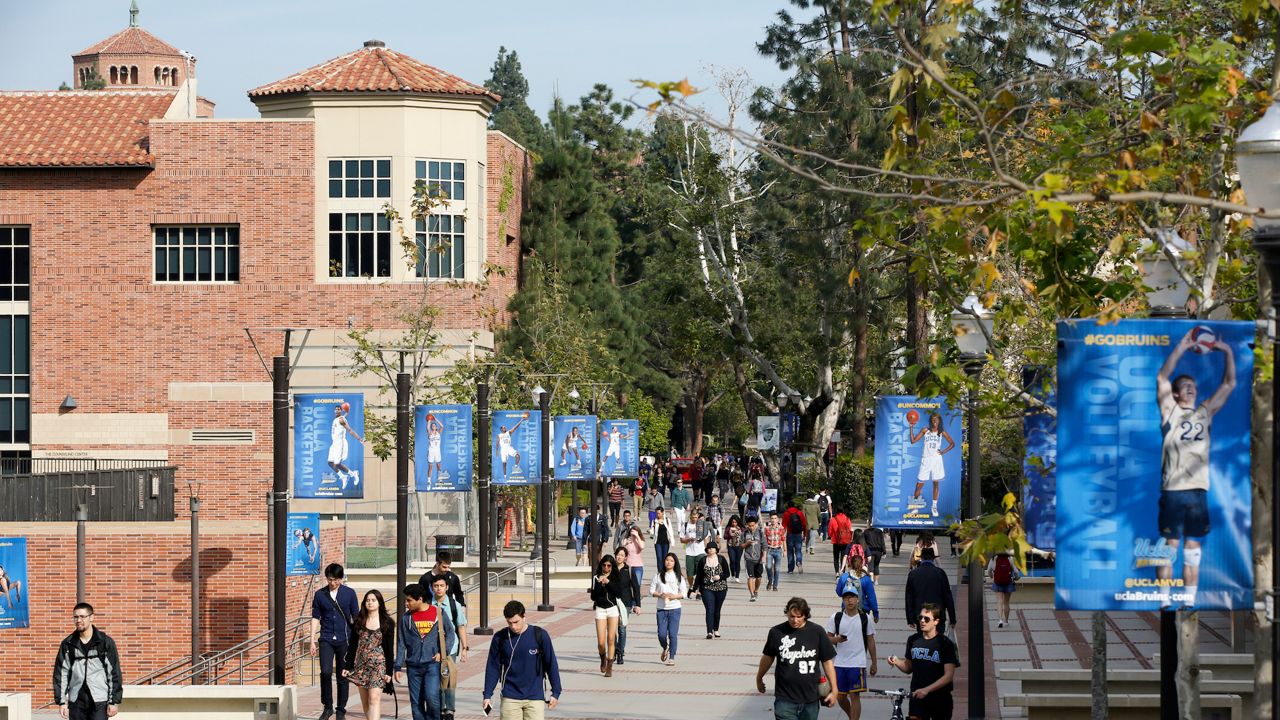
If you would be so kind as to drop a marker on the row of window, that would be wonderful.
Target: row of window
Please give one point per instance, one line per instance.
(360, 246)
(371, 178)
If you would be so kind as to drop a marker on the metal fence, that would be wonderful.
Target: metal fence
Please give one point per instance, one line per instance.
(49, 489)
(436, 521)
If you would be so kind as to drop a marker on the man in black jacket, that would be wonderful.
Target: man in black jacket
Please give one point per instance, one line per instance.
(597, 532)
(928, 583)
(442, 568)
(873, 540)
(86, 675)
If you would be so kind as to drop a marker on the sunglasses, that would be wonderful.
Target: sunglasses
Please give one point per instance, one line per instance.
(926, 618)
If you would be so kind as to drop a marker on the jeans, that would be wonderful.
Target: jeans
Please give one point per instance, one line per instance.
(785, 710)
(795, 550)
(669, 630)
(638, 572)
(661, 549)
(713, 600)
(772, 564)
(424, 690)
(84, 708)
(823, 519)
(735, 561)
(329, 651)
(614, 509)
(579, 545)
(621, 645)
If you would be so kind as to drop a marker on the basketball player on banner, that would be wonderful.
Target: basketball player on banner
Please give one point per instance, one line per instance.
(435, 454)
(1184, 487)
(338, 448)
(930, 456)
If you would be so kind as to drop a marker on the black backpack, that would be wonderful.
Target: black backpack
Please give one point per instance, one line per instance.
(862, 615)
(796, 523)
(824, 503)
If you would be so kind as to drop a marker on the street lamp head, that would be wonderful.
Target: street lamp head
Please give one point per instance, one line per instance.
(1168, 291)
(573, 394)
(808, 399)
(898, 362)
(782, 399)
(537, 393)
(971, 324)
(1257, 156)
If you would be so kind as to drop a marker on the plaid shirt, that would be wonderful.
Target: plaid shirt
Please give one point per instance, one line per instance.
(775, 536)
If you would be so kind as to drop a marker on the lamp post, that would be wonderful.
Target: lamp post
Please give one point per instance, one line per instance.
(1257, 155)
(972, 326)
(487, 538)
(1167, 295)
(543, 545)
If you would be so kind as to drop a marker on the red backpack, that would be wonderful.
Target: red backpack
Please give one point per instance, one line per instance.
(1003, 574)
(842, 534)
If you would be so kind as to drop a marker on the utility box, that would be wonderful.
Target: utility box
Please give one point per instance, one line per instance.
(266, 710)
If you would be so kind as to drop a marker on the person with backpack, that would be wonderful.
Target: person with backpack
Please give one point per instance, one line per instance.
(824, 512)
(578, 531)
(420, 637)
(873, 542)
(841, 531)
(1004, 581)
(797, 530)
(521, 659)
(853, 633)
(810, 508)
(857, 575)
(86, 676)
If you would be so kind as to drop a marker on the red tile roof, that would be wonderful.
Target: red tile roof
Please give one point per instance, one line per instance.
(78, 128)
(373, 69)
(131, 41)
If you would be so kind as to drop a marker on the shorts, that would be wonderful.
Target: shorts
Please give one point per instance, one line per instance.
(338, 452)
(755, 569)
(609, 612)
(506, 453)
(931, 469)
(433, 453)
(1184, 513)
(997, 587)
(851, 679)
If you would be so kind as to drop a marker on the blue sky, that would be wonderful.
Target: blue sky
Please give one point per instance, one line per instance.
(564, 45)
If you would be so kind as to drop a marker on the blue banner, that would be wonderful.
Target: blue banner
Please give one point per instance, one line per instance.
(917, 463)
(14, 609)
(442, 451)
(573, 448)
(1153, 488)
(304, 544)
(620, 448)
(790, 424)
(328, 445)
(517, 447)
(1039, 465)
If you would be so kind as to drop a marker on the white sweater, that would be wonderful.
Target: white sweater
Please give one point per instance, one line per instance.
(660, 586)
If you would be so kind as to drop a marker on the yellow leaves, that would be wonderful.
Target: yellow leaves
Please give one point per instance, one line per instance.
(1116, 246)
(937, 36)
(1009, 501)
(1059, 212)
(1237, 196)
(1149, 122)
(1128, 159)
(667, 91)
(994, 238)
(1028, 286)
(1233, 79)
(854, 276)
(903, 75)
(987, 273)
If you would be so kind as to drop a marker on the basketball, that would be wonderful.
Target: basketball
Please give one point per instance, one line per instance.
(431, 417)
(346, 407)
(584, 446)
(526, 414)
(1202, 340)
(913, 417)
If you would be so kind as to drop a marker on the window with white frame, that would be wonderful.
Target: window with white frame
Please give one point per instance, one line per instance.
(15, 263)
(444, 178)
(359, 178)
(197, 253)
(15, 379)
(359, 245)
(442, 241)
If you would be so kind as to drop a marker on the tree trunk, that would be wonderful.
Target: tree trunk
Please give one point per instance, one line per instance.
(1189, 665)
(695, 409)
(1098, 676)
(1263, 556)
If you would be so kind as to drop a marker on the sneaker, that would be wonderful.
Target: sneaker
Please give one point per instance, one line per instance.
(355, 477)
(801, 569)
(1000, 624)
(708, 636)
(665, 654)
(753, 597)
(670, 662)
(716, 633)
(736, 580)
(935, 509)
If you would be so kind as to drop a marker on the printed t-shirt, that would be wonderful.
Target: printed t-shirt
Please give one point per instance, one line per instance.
(426, 619)
(799, 654)
(928, 658)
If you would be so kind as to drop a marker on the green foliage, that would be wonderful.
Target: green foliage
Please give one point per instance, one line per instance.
(512, 114)
(94, 81)
(654, 425)
(850, 484)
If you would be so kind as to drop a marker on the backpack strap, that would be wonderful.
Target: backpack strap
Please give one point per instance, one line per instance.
(836, 619)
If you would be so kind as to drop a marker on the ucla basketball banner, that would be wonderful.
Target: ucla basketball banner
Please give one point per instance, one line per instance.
(620, 448)
(14, 608)
(442, 452)
(1039, 464)
(1153, 492)
(304, 544)
(573, 446)
(917, 463)
(328, 445)
(516, 447)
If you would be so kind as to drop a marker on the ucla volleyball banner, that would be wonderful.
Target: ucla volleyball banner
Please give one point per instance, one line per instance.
(304, 544)
(917, 463)
(1039, 464)
(442, 453)
(573, 446)
(14, 608)
(516, 447)
(620, 448)
(1153, 494)
(328, 445)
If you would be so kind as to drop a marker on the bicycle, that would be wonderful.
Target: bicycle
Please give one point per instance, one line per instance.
(897, 697)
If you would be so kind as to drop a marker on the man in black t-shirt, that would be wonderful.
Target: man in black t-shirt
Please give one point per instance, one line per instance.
(932, 660)
(806, 674)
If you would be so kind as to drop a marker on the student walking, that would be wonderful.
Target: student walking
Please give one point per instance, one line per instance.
(634, 546)
(616, 495)
(522, 659)
(371, 657)
(87, 682)
(662, 534)
(841, 531)
(733, 544)
(458, 649)
(928, 583)
(806, 674)
(670, 587)
(418, 651)
(797, 530)
(694, 535)
(604, 598)
(775, 538)
(811, 514)
(873, 542)
(332, 609)
(931, 660)
(853, 632)
(578, 531)
(627, 587)
(1004, 582)
(681, 499)
(753, 555)
(711, 581)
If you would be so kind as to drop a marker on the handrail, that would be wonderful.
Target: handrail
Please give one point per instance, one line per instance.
(495, 576)
(210, 666)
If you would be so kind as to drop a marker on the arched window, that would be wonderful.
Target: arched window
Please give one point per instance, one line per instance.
(133, 75)
(173, 76)
(115, 75)
(157, 76)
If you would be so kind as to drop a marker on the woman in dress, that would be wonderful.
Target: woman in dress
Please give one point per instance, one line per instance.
(733, 539)
(604, 599)
(711, 581)
(371, 658)
(670, 588)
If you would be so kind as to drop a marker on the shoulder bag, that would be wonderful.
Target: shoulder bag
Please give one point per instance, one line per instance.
(448, 668)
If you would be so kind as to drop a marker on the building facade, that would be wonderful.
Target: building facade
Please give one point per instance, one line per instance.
(150, 254)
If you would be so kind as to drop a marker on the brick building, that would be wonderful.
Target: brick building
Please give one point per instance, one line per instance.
(140, 237)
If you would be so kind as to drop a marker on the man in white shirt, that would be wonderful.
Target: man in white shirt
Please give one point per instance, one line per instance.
(853, 633)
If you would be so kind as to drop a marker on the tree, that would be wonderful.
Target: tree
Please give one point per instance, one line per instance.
(512, 114)
(94, 81)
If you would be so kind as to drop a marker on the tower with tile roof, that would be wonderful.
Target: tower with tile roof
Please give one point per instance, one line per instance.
(133, 59)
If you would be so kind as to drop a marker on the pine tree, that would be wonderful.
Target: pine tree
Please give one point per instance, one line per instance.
(512, 115)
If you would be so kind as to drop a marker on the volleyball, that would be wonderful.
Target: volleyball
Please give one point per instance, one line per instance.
(913, 417)
(1202, 340)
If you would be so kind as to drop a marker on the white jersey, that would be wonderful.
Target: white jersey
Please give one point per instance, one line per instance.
(433, 447)
(504, 440)
(615, 445)
(337, 441)
(1185, 452)
(932, 444)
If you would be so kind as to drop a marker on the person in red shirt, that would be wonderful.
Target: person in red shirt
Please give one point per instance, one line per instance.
(797, 528)
(841, 531)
